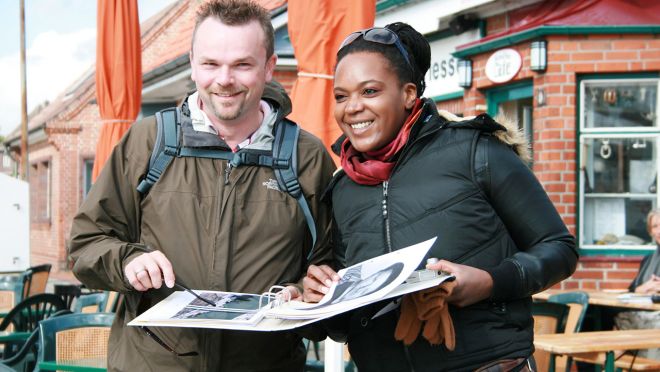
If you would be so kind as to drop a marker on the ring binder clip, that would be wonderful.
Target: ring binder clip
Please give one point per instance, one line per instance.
(276, 296)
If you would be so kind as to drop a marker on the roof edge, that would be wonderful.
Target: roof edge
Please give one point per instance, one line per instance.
(541, 31)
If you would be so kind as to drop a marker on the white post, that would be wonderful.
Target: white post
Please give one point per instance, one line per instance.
(334, 356)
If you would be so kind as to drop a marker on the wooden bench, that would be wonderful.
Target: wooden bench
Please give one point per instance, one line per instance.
(626, 362)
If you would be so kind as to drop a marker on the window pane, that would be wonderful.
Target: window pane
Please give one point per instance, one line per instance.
(620, 104)
(617, 220)
(620, 165)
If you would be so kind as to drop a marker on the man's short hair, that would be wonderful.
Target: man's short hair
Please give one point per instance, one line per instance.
(238, 13)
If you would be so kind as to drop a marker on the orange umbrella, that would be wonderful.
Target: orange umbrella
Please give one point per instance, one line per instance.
(118, 73)
(316, 29)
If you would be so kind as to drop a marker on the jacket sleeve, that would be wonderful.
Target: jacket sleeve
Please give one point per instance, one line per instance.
(546, 250)
(105, 233)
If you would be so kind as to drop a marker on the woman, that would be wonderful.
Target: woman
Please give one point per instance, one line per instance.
(647, 280)
(410, 174)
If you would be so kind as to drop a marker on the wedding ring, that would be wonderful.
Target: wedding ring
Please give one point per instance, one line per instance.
(139, 271)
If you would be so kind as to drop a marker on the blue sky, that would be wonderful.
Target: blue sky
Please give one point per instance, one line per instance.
(60, 44)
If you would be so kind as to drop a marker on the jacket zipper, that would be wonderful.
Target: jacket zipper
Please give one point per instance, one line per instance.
(227, 172)
(386, 217)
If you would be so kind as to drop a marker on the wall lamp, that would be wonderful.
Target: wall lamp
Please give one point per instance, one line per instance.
(464, 68)
(539, 56)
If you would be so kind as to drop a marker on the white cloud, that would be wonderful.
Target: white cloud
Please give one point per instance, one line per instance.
(54, 61)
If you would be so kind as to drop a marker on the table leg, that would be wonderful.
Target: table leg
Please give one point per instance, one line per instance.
(609, 361)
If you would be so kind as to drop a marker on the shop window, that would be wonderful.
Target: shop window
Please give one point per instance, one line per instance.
(619, 136)
(40, 191)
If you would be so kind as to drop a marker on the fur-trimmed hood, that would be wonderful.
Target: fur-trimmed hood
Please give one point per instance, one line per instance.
(509, 133)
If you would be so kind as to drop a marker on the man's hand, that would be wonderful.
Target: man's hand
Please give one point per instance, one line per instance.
(148, 270)
(472, 284)
(651, 286)
(318, 282)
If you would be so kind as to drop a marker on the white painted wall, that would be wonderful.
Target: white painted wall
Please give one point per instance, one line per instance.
(14, 224)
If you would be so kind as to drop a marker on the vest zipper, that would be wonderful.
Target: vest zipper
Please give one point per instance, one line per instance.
(386, 218)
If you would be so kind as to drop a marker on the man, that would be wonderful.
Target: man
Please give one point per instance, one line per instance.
(205, 223)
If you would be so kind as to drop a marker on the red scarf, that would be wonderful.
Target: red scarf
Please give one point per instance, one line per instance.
(374, 167)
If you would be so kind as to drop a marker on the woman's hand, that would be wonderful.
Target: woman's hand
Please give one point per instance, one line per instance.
(472, 284)
(318, 282)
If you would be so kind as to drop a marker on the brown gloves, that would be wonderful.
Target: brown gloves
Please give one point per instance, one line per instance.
(427, 306)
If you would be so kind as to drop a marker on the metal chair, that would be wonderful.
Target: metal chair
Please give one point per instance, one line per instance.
(549, 317)
(77, 338)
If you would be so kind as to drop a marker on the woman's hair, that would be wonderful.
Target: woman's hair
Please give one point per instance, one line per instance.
(649, 219)
(413, 42)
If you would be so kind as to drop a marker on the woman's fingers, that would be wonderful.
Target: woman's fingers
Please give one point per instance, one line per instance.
(317, 282)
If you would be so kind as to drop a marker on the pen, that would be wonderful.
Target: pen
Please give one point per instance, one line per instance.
(183, 287)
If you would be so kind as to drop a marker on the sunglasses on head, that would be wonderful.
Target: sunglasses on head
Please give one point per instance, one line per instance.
(378, 35)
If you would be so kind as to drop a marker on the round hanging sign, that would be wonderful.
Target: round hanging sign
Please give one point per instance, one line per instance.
(503, 65)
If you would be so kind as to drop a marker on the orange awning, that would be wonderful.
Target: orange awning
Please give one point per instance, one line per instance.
(118, 73)
(316, 29)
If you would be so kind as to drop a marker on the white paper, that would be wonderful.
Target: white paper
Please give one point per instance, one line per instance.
(376, 279)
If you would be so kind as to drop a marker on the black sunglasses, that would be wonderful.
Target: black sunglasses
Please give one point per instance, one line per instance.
(164, 345)
(378, 35)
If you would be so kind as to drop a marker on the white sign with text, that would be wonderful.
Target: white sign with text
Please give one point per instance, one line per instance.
(503, 65)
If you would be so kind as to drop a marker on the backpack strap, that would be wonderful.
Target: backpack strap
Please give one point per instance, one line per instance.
(285, 165)
(165, 149)
(284, 159)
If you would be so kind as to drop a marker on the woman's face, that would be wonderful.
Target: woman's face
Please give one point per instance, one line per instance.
(655, 228)
(372, 105)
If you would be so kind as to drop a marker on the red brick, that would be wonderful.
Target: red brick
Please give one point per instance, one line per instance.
(584, 274)
(614, 285)
(619, 55)
(611, 66)
(596, 265)
(628, 44)
(628, 265)
(651, 65)
(586, 56)
(627, 275)
(571, 285)
(595, 45)
(578, 67)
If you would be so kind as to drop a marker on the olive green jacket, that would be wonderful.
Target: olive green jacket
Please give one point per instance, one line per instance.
(237, 234)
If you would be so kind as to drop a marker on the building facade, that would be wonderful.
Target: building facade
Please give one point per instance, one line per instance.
(580, 77)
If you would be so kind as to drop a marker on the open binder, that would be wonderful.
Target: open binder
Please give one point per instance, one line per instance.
(383, 277)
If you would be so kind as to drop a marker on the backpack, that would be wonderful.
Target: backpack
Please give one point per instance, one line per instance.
(283, 159)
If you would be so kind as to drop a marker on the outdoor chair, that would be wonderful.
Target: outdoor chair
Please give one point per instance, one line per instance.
(68, 292)
(76, 339)
(90, 303)
(25, 358)
(24, 318)
(578, 302)
(549, 318)
(34, 280)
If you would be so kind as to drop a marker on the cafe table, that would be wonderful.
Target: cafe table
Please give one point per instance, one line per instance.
(603, 298)
(602, 341)
(79, 365)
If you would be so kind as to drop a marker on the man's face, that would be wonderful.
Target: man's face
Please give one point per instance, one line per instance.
(230, 68)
